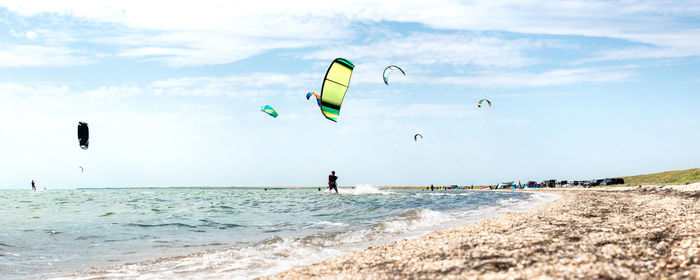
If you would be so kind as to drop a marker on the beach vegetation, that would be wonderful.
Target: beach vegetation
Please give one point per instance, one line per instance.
(674, 177)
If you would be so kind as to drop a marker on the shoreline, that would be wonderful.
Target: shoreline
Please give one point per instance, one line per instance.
(647, 232)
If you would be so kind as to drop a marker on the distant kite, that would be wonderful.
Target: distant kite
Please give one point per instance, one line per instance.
(482, 100)
(318, 97)
(334, 87)
(388, 71)
(83, 135)
(269, 110)
(415, 137)
(81, 169)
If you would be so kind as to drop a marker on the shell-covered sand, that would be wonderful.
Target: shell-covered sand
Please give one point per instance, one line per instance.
(643, 233)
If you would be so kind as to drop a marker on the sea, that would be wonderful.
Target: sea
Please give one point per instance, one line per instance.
(220, 233)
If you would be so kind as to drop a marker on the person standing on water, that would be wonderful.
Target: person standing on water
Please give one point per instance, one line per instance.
(332, 182)
(33, 186)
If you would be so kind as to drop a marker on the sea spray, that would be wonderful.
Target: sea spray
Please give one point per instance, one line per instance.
(364, 189)
(359, 190)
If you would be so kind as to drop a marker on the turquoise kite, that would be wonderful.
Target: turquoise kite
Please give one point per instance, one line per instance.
(269, 110)
(388, 71)
(482, 100)
(318, 97)
(334, 87)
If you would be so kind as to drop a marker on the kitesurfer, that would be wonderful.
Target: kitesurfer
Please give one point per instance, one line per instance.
(432, 188)
(33, 186)
(332, 182)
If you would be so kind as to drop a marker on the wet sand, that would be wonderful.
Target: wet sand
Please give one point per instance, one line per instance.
(633, 233)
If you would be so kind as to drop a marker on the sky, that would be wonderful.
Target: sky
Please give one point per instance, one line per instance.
(172, 91)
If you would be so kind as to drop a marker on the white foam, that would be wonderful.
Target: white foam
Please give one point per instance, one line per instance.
(359, 190)
(235, 263)
(366, 189)
(426, 219)
(327, 223)
(510, 204)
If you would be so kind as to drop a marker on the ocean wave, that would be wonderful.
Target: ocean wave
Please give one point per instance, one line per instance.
(161, 225)
(107, 214)
(217, 225)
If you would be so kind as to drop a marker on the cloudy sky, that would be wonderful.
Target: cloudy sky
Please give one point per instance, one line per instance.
(172, 91)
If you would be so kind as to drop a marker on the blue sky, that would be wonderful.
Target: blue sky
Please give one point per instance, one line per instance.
(581, 89)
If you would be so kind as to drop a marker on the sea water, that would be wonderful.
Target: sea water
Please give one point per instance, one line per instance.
(219, 233)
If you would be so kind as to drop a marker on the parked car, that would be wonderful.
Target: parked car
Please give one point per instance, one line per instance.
(575, 183)
(594, 183)
(612, 181)
(548, 183)
(607, 182)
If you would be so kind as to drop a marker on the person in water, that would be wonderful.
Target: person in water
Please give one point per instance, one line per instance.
(332, 182)
(432, 188)
(33, 186)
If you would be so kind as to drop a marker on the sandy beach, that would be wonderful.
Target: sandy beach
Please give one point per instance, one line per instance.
(631, 233)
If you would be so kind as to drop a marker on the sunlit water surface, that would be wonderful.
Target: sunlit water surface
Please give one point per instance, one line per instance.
(218, 233)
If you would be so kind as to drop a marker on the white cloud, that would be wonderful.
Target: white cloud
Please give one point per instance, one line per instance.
(33, 55)
(31, 35)
(11, 89)
(527, 79)
(645, 53)
(430, 49)
(199, 33)
(235, 85)
(189, 48)
(215, 32)
(372, 109)
(115, 92)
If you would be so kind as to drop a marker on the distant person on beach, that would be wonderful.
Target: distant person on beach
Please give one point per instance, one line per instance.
(332, 182)
(33, 186)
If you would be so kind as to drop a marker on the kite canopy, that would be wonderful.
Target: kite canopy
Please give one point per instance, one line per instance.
(269, 110)
(415, 137)
(83, 135)
(388, 71)
(482, 100)
(335, 84)
(81, 169)
(318, 97)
